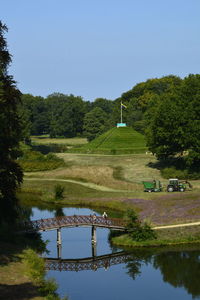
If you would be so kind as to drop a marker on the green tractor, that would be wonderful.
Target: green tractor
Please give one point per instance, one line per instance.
(178, 186)
(152, 186)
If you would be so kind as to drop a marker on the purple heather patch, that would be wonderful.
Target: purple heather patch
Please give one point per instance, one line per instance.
(168, 212)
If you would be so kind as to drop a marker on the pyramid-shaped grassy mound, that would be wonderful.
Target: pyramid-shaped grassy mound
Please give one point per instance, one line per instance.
(122, 140)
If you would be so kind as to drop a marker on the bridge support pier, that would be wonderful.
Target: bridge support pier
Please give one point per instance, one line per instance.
(59, 251)
(94, 235)
(59, 239)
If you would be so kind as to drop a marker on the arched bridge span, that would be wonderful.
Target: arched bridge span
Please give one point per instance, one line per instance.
(75, 221)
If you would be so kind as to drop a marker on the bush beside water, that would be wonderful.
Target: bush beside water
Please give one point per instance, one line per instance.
(136, 230)
(35, 269)
(32, 161)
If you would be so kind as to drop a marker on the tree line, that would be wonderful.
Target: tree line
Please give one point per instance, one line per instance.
(166, 110)
(62, 115)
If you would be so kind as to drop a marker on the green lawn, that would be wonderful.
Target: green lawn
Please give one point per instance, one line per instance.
(165, 237)
(117, 141)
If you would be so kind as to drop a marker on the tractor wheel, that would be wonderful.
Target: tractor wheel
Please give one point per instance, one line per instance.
(181, 189)
(170, 189)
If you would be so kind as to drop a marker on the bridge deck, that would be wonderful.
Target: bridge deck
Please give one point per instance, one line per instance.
(75, 221)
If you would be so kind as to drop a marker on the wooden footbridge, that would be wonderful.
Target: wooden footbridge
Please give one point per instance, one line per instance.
(75, 221)
(90, 263)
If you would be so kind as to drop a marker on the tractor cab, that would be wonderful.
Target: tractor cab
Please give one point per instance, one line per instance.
(176, 185)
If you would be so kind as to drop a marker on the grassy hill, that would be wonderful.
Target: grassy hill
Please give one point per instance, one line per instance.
(122, 140)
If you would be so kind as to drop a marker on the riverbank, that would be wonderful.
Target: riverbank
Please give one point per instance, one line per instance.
(165, 237)
(14, 283)
(158, 208)
(112, 182)
(22, 271)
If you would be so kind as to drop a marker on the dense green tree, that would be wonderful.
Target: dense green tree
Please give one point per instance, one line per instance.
(36, 110)
(105, 104)
(143, 97)
(66, 115)
(168, 131)
(174, 124)
(58, 115)
(190, 92)
(10, 135)
(167, 109)
(95, 123)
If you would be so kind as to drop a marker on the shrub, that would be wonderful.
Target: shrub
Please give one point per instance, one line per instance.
(136, 230)
(172, 172)
(35, 269)
(143, 232)
(35, 266)
(35, 161)
(49, 287)
(58, 191)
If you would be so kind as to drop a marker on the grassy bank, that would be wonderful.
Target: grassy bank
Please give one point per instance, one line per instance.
(159, 208)
(165, 237)
(14, 282)
(22, 271)
(36, 192)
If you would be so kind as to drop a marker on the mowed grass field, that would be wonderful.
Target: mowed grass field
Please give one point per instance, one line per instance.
(117, 141)
(114, 182)
(114, 171)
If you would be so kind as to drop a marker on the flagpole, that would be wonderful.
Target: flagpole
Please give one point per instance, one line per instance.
(121, 112)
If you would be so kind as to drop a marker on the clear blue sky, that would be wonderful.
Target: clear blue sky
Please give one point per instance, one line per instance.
(99, 48)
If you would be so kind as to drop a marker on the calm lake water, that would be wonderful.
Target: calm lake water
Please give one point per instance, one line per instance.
(146, 274)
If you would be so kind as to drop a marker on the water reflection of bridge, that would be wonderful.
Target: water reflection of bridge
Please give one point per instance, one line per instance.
(89, 263)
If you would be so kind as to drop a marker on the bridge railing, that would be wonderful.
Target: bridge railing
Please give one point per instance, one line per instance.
(75, 220)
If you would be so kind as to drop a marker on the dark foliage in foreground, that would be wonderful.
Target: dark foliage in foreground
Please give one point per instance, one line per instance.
(10, 135)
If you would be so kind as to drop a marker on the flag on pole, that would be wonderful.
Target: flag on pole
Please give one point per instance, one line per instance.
(123, 105)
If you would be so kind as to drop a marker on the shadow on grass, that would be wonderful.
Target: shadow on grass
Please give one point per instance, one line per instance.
(12, 245)
(178, 163)
(45, 149)
(22, 291)
(176, 168)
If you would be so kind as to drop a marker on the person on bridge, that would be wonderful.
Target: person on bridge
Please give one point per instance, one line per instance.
(104, 215)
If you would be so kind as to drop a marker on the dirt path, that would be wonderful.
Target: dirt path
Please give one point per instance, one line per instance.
(177, 225)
